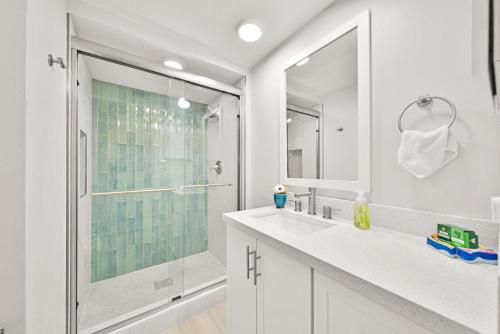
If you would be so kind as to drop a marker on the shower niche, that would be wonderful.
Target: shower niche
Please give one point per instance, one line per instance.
(149, 225)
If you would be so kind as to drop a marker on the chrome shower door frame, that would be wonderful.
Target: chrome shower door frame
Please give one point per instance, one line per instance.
(108, 54)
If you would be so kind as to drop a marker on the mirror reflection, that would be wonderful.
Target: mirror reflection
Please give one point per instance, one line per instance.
(303, 142)
(322, 112)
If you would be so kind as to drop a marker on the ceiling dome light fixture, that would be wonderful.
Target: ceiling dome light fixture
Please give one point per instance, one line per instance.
(173, 64)
(183, 103)
(249, 31)
(303, 61)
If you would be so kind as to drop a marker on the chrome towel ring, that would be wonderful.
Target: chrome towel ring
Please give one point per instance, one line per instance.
(425, 100)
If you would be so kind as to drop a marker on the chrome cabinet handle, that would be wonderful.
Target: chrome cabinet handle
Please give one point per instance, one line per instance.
(248, 261)
(255, 274)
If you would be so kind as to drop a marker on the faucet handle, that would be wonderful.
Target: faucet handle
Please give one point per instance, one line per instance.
(327, 212)
(297, 205)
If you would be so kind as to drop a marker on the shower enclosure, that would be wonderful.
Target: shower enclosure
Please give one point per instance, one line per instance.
(304, 141)
(158, 164)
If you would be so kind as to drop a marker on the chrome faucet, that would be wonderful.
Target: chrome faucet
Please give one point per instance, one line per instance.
(312, 200)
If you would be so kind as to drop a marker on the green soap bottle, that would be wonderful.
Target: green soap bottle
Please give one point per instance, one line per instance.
(361, 212)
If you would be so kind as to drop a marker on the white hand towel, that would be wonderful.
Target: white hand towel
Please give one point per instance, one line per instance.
(423, 153)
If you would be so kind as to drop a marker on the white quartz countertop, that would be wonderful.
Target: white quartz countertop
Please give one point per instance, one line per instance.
(399, 264)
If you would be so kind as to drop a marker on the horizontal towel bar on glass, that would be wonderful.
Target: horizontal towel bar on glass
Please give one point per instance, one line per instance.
(206, 185)
(126, 192)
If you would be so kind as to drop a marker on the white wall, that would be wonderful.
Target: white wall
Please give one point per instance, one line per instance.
(12, 165)
(84, 202)
(45, 168)
(418, 47)
(341, 147)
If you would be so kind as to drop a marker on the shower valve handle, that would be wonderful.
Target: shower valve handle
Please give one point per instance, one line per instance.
(217, 167)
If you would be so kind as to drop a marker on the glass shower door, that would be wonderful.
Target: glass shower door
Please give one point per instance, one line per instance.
(211, 183)
(161, 167)
(131, 237)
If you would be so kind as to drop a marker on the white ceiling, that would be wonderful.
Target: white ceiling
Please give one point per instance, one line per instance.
(211, 24)
(105, 35)
(330, 69)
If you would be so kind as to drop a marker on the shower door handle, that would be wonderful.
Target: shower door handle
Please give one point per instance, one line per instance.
(248, 261)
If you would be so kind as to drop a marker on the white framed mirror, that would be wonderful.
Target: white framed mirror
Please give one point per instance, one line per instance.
(325, 111)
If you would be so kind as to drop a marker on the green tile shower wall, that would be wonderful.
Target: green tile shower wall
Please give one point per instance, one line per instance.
(144, 140)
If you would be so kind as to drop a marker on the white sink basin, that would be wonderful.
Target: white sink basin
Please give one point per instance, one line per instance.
(294, 223)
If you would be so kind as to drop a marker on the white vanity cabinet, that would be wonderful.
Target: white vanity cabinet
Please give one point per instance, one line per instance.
(268, 292)
(241, 290)
(338, 309)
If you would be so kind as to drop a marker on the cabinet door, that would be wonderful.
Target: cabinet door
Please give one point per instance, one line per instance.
(241, 291)
(283, 293)
(338, 309)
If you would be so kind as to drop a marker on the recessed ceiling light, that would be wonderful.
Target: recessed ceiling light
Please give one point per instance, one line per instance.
(183, 103)
(173, 64)
(303, 61)
(289, 120)
(249, 31)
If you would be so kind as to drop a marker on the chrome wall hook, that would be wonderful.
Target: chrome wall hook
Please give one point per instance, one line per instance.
(58, 60)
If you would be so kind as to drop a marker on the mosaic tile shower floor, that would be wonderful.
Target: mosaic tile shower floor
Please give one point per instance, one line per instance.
(117, 297)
